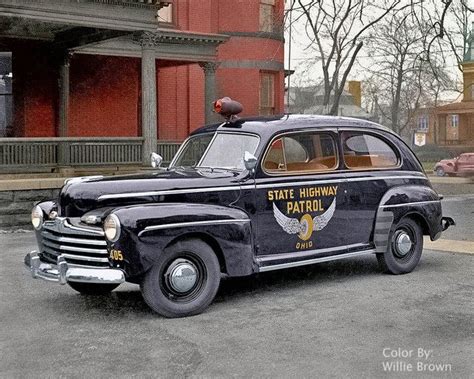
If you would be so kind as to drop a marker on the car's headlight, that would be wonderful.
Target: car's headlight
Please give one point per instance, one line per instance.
(112, 228)
(37, 217)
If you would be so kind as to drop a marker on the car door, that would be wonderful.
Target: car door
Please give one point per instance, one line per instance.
(462, 164)
(301, 197)
(470, 167)
(372, 165)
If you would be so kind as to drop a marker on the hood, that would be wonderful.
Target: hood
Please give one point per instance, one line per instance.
(79, 197)
(445, 161)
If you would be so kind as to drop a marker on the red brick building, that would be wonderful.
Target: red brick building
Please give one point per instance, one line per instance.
(452, 125)
(133, 72)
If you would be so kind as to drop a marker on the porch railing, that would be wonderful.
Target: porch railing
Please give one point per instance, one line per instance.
(43, 154)
(167, 149)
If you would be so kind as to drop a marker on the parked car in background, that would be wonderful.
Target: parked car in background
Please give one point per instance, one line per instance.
(462, 166)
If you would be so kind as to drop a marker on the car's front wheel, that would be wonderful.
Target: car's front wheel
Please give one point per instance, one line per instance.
(92, 288)
(184, 280)
(440, 171)
(405, 245)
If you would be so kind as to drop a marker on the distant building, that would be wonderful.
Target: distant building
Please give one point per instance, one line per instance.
(309, 100)
(452, 124)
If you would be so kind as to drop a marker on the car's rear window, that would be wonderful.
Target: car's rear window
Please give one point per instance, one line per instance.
(363, 150)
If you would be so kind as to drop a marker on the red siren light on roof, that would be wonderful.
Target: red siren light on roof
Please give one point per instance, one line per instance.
(228, 108)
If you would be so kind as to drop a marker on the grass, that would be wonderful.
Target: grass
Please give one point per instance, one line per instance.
(428, 166)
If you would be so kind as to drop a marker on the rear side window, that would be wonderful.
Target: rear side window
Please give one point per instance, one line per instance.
(363, 150)
(301, 153)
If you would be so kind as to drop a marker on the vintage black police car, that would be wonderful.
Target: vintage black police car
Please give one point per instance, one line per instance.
(242, 197)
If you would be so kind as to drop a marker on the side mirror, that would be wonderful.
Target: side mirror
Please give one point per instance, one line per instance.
(156, 160)
(250, 161)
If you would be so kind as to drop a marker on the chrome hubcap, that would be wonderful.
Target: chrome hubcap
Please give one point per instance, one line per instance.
(183, 277)
(403, 243)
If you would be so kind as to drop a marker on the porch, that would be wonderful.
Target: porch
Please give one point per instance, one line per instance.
(69, 155)
(81, 83)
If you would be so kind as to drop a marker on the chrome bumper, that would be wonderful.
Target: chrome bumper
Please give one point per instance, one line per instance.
(446, 222)
(61, 274)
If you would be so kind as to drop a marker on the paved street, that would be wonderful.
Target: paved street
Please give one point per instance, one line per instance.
(344, 319)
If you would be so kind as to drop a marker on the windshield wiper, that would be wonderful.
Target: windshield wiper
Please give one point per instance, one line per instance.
(218, 168)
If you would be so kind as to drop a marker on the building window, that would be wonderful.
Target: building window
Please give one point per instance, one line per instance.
(165, 14)
(6, 94)
(423, 124)
(454, 120)
(267, 93)
(267, 15)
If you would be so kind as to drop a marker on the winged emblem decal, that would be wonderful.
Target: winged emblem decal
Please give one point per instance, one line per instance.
(307, 224)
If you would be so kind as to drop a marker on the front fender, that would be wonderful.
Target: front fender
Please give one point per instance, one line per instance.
(420, 202)
(148, 229)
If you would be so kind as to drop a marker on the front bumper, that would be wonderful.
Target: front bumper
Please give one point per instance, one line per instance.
(446, 222)
(62, 274)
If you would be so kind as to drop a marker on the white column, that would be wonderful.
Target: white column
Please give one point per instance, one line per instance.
(64, 97)
(210, 92)
(149, 93)
(63, 147)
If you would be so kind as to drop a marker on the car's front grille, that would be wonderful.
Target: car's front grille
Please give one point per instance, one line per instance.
(81, 246)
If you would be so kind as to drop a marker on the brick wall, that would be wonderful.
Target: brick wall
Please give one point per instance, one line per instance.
(105, 91)
(35, 90)
(104, 96)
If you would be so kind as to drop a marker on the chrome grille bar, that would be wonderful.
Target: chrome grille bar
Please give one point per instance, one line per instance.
(73, 248)
(80, 245)
(84, 258)
(80, 241)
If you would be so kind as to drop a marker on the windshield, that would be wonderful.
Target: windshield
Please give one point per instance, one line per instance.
(191, 152)
(225, 150)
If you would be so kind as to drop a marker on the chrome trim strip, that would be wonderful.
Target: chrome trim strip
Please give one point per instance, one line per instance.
(406, 204)
(169, 192)
(315, 260)
(316, 182)
(87, 230)
(78, 265)
(302, 254)
(258, 186)
(51, 236)
(184, 224)
(85, 258)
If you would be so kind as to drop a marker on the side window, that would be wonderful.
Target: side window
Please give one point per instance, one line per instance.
(367, 151)
(301, 153)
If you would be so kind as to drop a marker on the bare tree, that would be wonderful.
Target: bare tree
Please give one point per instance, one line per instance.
(457, 34)
(335, 29)
(407, 75)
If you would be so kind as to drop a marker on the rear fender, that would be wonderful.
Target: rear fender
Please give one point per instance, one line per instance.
(421, 203)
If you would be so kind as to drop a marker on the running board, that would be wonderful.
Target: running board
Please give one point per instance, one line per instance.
(314, 260)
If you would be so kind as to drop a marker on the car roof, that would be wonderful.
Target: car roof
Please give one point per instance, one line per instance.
(287, 122)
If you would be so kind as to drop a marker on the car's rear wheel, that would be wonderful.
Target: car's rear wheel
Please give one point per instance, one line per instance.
(92, 288)
(184, 280)
(405, 245)
(440, 171)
